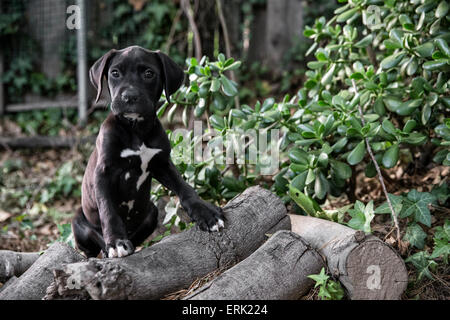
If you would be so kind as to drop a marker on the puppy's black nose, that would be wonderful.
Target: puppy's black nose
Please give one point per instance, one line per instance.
(130, 95)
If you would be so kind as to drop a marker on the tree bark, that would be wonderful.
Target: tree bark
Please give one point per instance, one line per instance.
(278, 270)
(15, 263)
(33, 283)
(368, 268)
(178, 260)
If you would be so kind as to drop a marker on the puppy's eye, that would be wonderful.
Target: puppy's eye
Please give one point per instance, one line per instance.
(148, 74)
(115, 73)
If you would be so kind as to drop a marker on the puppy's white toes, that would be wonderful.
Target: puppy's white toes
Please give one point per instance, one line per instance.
(112, 253)
(122, 252)
(217, 226)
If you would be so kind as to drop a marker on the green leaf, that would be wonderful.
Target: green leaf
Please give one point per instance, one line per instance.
(320, 279)
(346, 15)
(310, 177)
(215, 85)
(321, 186)
(422, 263)
(397, 205)
(392, 61)
(435, 65)
(408, 107)
(268, 104)
(388, 127)
(217, 122)
(303, 201)
(425, 50)
(415, 235)
(235, 65)
(299, 181)
(406, 22)
(392, 102)
(443, 46)
(298, 156)
(417, 205)
(442, 9)
(228, 87)
(341, 169)
(357, 154)
(364, 42)
(362, 216)
(390, 157)
(414, 138)
(326, 79)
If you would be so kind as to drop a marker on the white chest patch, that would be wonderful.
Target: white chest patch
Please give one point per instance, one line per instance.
(128, 204)
(145, 154)
(133, 116)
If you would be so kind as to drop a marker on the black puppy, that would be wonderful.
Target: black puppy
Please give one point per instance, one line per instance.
(116, 213)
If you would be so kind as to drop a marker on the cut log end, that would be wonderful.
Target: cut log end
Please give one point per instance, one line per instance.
(376, 272)
(368, 268)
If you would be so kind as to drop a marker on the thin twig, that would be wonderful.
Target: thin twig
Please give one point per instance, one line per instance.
(377, 167)
(227, 44)
(172, 30)
(186, 5)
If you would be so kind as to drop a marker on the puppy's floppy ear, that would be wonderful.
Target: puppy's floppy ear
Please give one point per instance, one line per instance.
(173, 74)
(97, 71)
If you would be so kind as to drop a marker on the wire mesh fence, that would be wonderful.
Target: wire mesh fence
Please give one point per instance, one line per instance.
(38, 53)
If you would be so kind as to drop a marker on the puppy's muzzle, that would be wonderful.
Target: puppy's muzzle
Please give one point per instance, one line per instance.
(130, 96)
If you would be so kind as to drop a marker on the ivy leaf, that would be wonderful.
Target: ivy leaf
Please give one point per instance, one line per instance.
(417, 204)
(397, 204)
(362, 216)
(441, 242)
(320, 279)
(415, 235)
(421, 262)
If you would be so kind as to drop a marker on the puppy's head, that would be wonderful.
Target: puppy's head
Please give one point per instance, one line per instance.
(136, 78)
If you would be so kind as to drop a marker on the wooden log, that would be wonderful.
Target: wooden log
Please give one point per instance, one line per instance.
(15, 263)
(179, 259)
(278, 270)
(33, 283)
(43, 142)
(368, 268)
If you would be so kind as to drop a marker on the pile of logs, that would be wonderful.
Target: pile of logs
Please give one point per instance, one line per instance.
(271, 254)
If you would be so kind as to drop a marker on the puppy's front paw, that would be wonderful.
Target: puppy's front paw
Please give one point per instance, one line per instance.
(207, 216)
(120, 248)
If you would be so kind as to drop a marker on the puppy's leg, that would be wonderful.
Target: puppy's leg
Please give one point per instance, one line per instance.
(207, 216)
(87, 238)
(147, 226)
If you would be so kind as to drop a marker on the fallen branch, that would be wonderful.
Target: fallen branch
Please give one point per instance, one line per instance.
(279, 269)
(179, 259)
(33, 283)
(366, 266)
(15, 263)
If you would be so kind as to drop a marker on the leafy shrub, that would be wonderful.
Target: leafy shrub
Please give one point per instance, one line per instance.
(397, 54)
